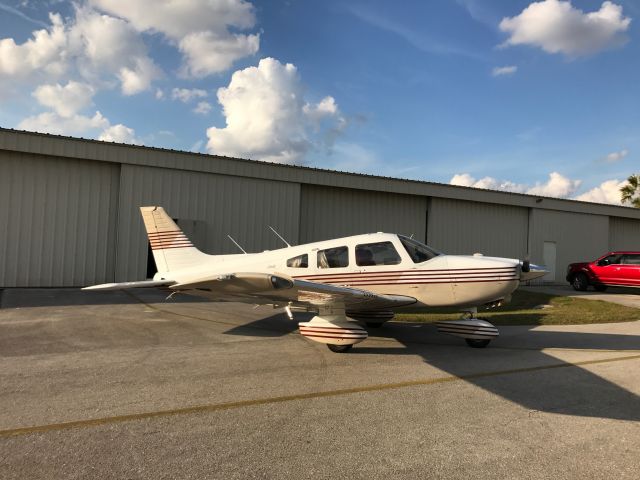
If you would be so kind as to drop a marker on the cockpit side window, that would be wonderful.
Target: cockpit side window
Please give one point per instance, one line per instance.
(301, 261)
(337, 257)
(418, 252)
(379, 253)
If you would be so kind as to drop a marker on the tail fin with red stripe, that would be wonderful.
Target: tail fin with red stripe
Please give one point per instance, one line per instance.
(172, 250)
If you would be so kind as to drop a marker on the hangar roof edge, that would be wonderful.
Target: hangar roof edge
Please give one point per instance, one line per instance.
(90, 149)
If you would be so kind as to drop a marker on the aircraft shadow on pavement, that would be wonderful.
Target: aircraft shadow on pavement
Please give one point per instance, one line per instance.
(60, 297)
(276, 325)
(572, 390)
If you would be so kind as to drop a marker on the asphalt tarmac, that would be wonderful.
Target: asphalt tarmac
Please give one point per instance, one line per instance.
(117, 385)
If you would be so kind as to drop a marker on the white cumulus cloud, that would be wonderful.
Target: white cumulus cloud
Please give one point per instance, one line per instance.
(606, 192)
(614, 157)
(326, 107)
(42, 52)
(202, 108)
(105, 44)
(65, 101)
(187, 94)
(74, 125)
(466, 180)
(95, 47)
(506, 70)
(207, 52)
(556, 186)
(557, 26)
(266, 116)
(205, 31)
(119, 134)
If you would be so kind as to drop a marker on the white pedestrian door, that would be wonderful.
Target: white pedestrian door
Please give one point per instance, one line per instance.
(549, 257)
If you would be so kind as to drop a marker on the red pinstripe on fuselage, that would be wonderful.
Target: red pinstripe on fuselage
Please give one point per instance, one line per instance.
(413, 277)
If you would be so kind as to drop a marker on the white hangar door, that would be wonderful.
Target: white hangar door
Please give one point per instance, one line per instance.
(57, 221)
(329, 212)
(208, 207)
(624, 234)
(463, 227)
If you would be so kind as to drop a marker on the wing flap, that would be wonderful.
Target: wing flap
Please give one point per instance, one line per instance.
(127, 285)
(279, 288)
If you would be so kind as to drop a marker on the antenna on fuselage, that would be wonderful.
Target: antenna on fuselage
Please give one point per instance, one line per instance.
(279, 236)
(236, 244)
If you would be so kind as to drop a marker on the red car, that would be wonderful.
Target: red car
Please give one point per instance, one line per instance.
(613, 269)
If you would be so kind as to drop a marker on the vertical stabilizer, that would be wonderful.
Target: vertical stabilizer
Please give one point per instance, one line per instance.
(172, 250)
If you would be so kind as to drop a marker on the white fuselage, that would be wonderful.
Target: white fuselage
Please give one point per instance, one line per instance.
(445, 280)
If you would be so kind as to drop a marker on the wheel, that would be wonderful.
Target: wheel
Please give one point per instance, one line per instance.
(476, 342)
(600, 288)
(374, 324)
(580, 282)
(339, 348)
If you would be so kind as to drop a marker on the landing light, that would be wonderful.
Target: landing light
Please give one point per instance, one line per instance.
(280, 283)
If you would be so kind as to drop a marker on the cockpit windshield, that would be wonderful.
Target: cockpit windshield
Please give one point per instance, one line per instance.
(418, 252)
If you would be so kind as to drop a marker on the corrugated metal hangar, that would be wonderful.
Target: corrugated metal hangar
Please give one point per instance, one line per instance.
(69, 211)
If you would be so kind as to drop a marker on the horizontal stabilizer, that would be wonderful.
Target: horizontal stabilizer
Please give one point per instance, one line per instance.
(127, 285)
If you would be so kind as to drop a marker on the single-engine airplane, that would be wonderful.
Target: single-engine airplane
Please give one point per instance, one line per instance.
(345, 281)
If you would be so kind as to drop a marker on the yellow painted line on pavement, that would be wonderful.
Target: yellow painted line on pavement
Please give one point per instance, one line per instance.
(288, 398)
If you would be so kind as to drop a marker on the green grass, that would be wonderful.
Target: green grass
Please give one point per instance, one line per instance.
(521, 311)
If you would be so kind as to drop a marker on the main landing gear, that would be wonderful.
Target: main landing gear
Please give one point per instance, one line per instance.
(339, 348)
(333, 328)
(476, 332)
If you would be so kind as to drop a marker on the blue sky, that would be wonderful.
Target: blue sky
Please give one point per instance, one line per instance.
(539, 97)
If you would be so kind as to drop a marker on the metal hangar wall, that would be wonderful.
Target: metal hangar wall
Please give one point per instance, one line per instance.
(69, 211)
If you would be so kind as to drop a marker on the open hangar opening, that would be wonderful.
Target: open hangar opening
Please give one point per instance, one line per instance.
(69, 211)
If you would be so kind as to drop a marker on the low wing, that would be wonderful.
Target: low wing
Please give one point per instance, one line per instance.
(281, 290)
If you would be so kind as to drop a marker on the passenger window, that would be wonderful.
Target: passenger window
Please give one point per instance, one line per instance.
(631, 259)
(333, 257)
(418, 252)
(380, 253)
(301, 261)
(610, 260)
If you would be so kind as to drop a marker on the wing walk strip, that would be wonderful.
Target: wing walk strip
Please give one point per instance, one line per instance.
(94, 422)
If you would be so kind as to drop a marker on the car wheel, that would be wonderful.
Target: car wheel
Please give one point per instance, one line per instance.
(580, 282)
(600, 288)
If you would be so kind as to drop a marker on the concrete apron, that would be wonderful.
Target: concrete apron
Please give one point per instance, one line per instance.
(623, 296)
